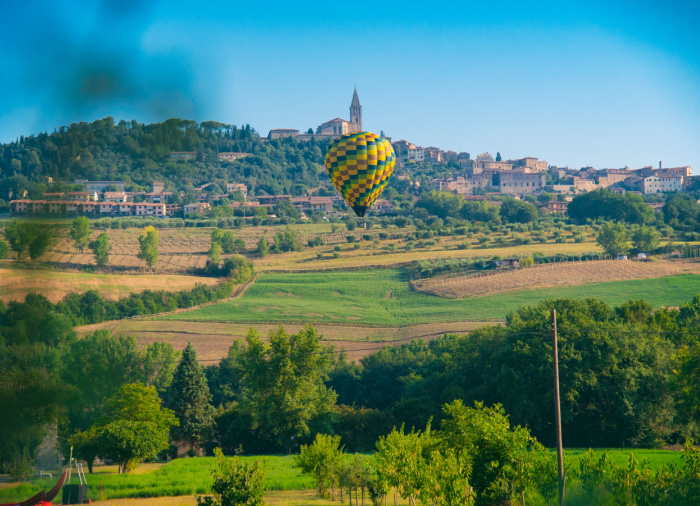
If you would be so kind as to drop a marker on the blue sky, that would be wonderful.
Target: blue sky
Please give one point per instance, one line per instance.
(596, 83)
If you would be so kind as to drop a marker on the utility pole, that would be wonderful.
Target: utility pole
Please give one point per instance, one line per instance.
(557, 410)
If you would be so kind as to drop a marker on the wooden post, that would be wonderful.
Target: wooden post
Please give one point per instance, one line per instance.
(557, 409)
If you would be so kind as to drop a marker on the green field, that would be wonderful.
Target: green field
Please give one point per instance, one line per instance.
(179, 477)
(384, 297)
(192, 476)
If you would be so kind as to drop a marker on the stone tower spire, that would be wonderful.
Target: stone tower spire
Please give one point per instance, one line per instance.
(355, 113)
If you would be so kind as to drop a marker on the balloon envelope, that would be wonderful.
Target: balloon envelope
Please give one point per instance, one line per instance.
(359, 164)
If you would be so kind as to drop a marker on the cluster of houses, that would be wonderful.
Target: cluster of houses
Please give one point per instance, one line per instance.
(528, 175)
(110, 198)
(510, 177)
(647, 180)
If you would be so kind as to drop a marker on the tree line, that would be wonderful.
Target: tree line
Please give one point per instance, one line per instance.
(141, 153)
(627, 375)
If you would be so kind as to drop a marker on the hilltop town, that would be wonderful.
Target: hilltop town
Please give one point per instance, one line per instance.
(235, 186)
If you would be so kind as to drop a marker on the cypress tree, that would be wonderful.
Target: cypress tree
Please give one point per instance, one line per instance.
(190, 399)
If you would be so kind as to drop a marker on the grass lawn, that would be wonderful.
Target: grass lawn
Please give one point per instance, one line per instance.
(384, 297)
(656, 458)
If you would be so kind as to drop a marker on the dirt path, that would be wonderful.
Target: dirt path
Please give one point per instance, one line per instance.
(551, 275)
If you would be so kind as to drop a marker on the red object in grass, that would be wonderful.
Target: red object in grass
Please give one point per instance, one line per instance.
(43, 498)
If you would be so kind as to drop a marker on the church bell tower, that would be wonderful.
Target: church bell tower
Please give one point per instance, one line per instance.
(355, 113)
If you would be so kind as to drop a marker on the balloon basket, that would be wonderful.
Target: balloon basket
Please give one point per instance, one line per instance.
(361, 224)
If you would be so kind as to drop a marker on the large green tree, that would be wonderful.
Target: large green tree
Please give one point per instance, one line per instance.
(283, 398)
(101, 249)
(681, 209)
(263, 247)
(607, 205)
(80, 232)
(215, 253)
(190, 400)
(137, 427)
(517, 211)
(42, 241)
(612, 237)
(645, 239)
(19, 235)
(94, 367)
(227, 242)
(33, 337)
(148, 246)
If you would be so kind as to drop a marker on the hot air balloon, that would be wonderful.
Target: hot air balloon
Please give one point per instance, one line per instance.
(360, 164)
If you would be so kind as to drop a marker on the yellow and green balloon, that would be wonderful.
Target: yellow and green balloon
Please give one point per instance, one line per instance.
(359, 164)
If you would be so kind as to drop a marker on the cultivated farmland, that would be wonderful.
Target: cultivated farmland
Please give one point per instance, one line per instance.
(186, 248)
(212, 340)
(384, 297)
(54, 285)
(552, 275)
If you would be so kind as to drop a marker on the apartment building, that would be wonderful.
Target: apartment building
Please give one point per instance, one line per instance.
(323, 204)
(237, 187)
(514, 182)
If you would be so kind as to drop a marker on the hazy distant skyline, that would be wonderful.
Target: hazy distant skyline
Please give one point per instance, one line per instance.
(576, 83)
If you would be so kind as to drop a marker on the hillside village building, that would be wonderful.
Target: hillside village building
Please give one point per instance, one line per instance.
(99, 186)
(328, 130)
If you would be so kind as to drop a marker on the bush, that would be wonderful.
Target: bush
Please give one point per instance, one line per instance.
(321, 460)
(338, 247)
(464, 245)
(236, 483)
(336, 254)
(4, 250)
(350, 238)
(316, 241)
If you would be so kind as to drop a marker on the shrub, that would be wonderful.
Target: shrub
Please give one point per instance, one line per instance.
(322, 460)
(316, 241)
(350, 238)
(236, 483)
(464, 245)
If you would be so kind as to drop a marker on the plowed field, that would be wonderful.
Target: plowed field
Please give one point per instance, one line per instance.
(553, 275)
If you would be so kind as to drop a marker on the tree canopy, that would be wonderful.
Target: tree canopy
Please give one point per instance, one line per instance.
(604, 204)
